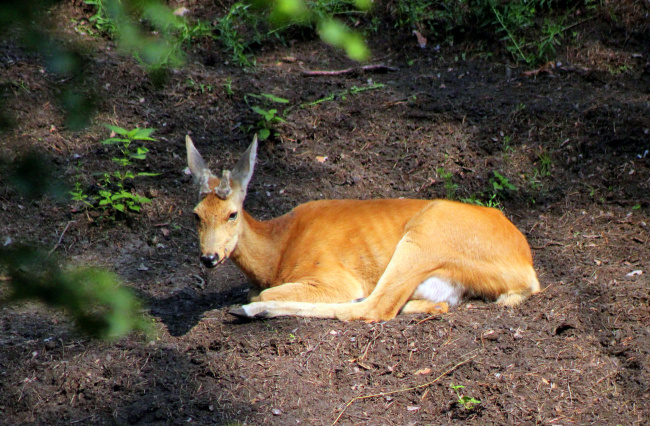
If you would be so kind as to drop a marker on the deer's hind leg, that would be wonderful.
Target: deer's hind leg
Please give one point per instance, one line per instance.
(412, 263)
(421, 306)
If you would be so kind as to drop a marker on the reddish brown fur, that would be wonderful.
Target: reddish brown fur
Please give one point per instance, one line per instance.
(316, 259)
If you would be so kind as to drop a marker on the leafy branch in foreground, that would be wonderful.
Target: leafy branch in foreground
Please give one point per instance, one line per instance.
(98, 304)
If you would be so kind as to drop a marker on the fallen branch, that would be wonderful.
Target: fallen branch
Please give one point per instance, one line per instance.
(356, 70)
(550, 243)
(60, 238)
(423, 385)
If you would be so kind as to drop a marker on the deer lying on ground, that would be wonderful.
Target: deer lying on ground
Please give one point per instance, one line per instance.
(359, 260)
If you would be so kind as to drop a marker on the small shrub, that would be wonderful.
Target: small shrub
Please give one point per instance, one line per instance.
(269, 116)
(465, 401)
(114, 189)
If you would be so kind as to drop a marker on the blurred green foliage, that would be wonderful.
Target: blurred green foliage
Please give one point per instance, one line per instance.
(33, 175)
(94, 299)
(99, 305)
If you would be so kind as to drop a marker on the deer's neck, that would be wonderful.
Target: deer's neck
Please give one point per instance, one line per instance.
(259, 248)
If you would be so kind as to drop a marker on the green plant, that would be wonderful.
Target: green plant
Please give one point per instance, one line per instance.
(493, 201)
(450, 186)
(354, 90)
(501, 184)
(466, 401)
(199, 87)
(239, 15)
(101, 18)
(518, 19)
(115, 197)
(544, 164)
(124, 143)
(78, 194)
(269, 116)
(114, 192)
(507, 148)
(228, 86)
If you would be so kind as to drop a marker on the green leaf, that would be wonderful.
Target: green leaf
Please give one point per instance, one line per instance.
(134, 207)
(121, 161)
(338, 35)
(148, 174)
(260, 111)
(363, 4)
(117, 129)
(143, 134)
(119, 207)
(275, 98)
(138, 156)
(114, 141)
(263, 134)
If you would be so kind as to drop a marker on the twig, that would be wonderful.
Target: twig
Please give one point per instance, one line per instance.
(357, 398)
(356, 70)
(60, 238)
(551, 243)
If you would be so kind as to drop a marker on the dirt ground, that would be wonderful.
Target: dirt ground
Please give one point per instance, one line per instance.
(574, 140)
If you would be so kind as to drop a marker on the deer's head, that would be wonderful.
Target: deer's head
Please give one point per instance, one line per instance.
(219, 212)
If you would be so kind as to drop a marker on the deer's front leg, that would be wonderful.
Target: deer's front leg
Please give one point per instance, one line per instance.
(312, 292)
(298, 299)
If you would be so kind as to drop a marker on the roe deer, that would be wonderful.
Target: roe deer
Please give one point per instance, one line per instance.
(359, 260)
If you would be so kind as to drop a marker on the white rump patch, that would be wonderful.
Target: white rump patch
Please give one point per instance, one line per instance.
(437, 290)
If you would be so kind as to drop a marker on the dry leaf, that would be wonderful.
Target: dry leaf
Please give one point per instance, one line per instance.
(181, 11)
(422, 371)
(321, 159)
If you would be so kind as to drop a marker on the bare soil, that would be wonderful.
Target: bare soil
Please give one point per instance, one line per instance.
(574, 139)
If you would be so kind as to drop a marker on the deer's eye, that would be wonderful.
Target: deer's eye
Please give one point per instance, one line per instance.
(232, 216)
(196, 217)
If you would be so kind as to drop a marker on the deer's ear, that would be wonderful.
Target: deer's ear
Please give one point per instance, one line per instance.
(243, 171)
(197, 166)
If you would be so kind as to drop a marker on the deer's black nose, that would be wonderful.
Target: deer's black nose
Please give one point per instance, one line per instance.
(209, 260)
